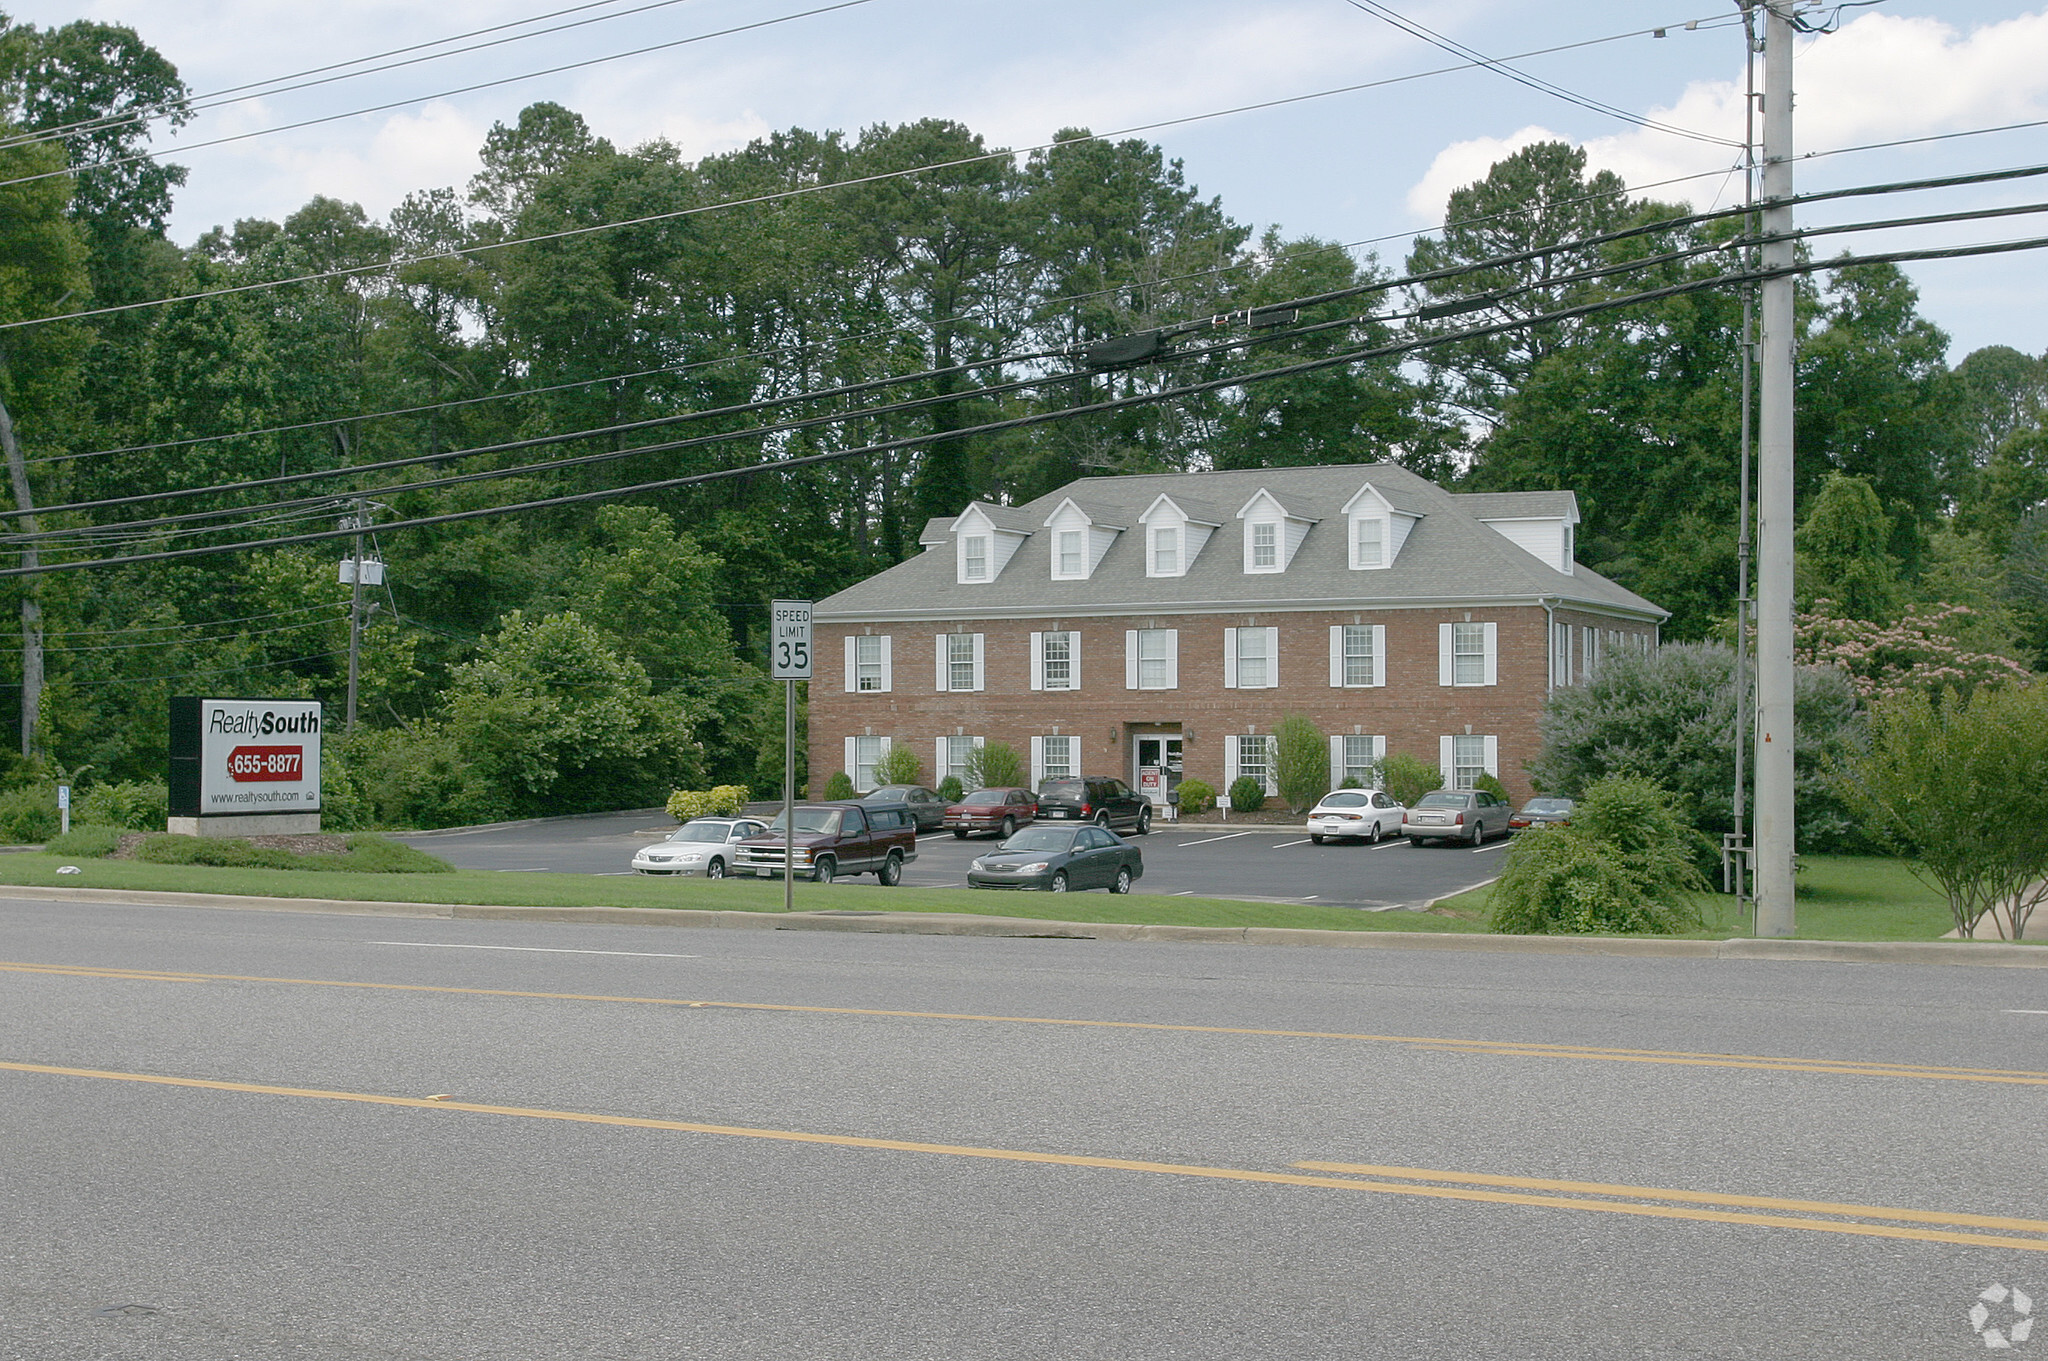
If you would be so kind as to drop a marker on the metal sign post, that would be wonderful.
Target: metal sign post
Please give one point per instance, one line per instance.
(789, 661)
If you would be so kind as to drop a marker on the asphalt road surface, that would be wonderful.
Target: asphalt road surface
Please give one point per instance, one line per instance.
(286, 1135)
(1267, 864)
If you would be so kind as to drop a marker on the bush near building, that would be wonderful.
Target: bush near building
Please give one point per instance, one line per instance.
(1625, 863)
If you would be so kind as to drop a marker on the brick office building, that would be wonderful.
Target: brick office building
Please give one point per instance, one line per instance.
(1158, 627)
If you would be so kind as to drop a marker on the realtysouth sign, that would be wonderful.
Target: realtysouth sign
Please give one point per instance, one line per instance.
(244, 757)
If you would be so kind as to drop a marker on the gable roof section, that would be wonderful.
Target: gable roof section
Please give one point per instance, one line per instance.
(1449, 557)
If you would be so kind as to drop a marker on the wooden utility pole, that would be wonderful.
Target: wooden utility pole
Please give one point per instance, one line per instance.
(31, 606)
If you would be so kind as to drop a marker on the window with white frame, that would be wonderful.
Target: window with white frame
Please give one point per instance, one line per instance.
(960, 661)
(1155, 659)
(867, 754)
(974, 556)
(1468, 760)
(1358, 660)
(1058, 761)
(959, 751)
(1254, 662)
(1361, 768)
(867, 662)
(1166, 552)
(1469, 654)
(1253, 752)
(1071, 560)
(1265, 547)
(1369, 541)
(1058, 663)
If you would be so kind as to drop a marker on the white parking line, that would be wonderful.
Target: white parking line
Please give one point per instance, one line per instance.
(1496, 846)
(2016, 1011)
(1302, 842)
(528, 949)
(1185, 893)
(1207, 840)
(1389, 845)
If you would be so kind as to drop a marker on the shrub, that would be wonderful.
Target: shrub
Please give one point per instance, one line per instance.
(1407, 779)
(28, 815)
(365, 855)
(899, 765)
(839, 785)
(1247, 794)
(995, 765)
(86, 843)
(725, 801)
(1488, 784)
(1196, 797)
(1301, 762)
(950, 790)
(138, 805)
(1625, 863)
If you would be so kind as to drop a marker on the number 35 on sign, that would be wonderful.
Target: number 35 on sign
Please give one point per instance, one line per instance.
(789, 640)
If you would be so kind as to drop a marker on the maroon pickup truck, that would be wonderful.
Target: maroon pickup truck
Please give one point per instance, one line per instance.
(834, 839)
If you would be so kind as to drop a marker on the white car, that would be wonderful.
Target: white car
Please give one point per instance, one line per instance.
(700, 846)
(1355, 815)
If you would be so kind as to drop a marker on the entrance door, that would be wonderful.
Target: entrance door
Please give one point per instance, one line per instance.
(1157, 770)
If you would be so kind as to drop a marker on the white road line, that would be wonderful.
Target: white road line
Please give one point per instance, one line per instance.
(1312, 897)
(537, 869)
(530, 949)
(1185, 893)
(1302, 842)
(1227, 837)
(1389, 845)
(2016, 1011)
(1496, 846)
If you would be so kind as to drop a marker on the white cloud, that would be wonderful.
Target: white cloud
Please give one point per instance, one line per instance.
(435, 146)
(1461, 163)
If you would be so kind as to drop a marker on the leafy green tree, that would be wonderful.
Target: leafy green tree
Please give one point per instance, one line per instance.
(1407, 778)
(900, 764)
(1844, 550)
(1625, 864)
(994, 765)
(1301, 762)
(1936, 789)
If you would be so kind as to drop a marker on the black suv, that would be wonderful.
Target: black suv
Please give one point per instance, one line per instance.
(1101, 799)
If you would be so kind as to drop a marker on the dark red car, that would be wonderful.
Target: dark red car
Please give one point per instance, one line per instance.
(1001, 811)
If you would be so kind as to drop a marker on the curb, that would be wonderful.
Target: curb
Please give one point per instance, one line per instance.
(1965, 953)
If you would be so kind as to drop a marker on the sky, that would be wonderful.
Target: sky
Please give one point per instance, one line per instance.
(1371, 165)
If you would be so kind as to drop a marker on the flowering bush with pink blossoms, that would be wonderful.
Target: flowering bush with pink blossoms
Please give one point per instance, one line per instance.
(1918, 653)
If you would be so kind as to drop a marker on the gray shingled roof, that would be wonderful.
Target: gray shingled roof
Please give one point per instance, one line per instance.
(1449, 555)
(1524, 505)
(1098, 512)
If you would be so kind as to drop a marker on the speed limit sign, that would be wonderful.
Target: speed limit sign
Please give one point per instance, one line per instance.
(789, 640)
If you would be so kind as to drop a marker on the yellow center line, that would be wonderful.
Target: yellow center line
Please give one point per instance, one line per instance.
(1234, 1174)
(1495, 1048)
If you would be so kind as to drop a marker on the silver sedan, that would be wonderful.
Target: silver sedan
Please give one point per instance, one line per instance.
(700, 846)
(1469, 815)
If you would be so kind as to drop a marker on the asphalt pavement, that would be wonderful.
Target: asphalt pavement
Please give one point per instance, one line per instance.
(1261, 864)
(266, 1135)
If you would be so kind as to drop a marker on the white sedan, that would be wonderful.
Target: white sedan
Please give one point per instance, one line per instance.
(700, 846)
(1355, 815)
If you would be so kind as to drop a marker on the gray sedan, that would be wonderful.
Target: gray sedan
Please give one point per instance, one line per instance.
(1469, 815)
(1057, 859)
(700, 846)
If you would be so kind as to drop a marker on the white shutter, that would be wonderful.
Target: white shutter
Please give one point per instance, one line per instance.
(1173, 659)
(1038, 661)
(1037, 763)
(1446, 657)
(852, 757)
(941, 766)
(939, 651)
(888, 663)
(851, 679)
(977, 658)
(1074, 660)
(1336, 657)
(1379, 654)
(1492, 757)
(1337, 761)
(1230, 659)
(1229, 762)
(1273, 658)
(1446, 759)
(1493, 654)
(1130, 659)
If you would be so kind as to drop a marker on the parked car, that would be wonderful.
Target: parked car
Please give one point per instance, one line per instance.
(1355, 815)
(1541, 813)
(1000, 811)
(1057, 859)
(703, 846)
(1456, 815)
(1102, 799)
(924, 804)
(834, 839)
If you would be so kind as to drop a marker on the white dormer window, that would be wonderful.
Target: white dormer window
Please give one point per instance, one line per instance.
(1272, 532)
(1376, 529)
(1265, 547)
(1369, 542)
(974, 555)
(1165, 552)
(983, 545)
(1071, 563)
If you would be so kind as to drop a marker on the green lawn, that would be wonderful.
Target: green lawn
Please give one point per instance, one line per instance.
(1841, 897)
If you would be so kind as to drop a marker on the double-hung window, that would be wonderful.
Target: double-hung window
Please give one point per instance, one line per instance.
(1361, 766)
(1468, 760)
(1469, 658)
(1156, 658)
(867, 663)
(1057, 762)
(1369, 541)
(1265, 546)
(1252, 661)
(959, 751)
(1358, 668)
(960, 661)
(867, 754)
(974, 552)
(1059, 661)
(1070, 557)
(1253, 753)
(1166, 552)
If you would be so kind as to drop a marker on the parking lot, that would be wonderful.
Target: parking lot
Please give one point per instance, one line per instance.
(1262, 864)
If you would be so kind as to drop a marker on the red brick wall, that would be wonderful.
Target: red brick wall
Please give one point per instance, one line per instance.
(1412, 710)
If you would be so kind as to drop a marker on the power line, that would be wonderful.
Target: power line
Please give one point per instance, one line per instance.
(218, 671)
(196, 623)
(798, 192)
(197, 640)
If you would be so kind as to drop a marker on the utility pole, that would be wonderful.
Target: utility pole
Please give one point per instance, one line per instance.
(1775, 824)
(31, 604)
(1736, 849)
(355, 614)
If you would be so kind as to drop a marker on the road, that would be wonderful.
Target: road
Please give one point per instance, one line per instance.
(1266, 864)
(265, 1135)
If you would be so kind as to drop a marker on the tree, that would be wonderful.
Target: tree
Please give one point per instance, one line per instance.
(1845, 551)
(1406, 778)
(1923, 650)
(899, 765)
(1624, 863)
(1936, 789)
(994, 765)
(1301, 761)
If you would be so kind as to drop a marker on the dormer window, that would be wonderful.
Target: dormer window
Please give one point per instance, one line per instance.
(1071, 563)
(1369, 542)
(1166, 552)
(1272, 532)
(974, 551)
(1378, 528)
(1265, 547)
